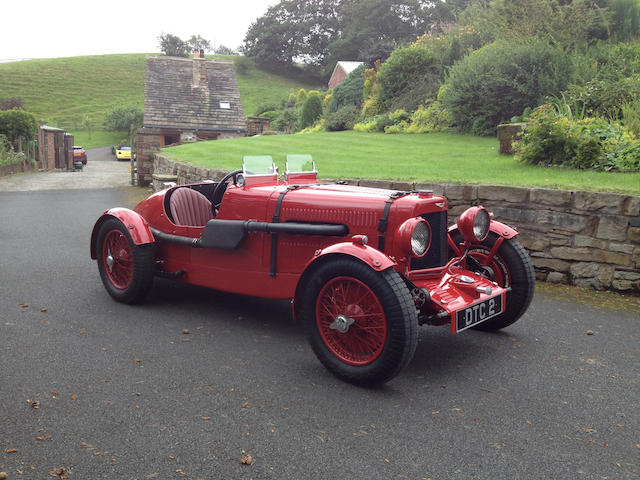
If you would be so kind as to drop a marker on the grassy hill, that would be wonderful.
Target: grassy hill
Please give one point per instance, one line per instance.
(68, 92)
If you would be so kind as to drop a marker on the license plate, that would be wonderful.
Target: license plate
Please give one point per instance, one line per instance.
(478, 313)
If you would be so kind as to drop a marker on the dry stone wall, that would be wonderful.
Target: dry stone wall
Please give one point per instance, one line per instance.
(587, 239)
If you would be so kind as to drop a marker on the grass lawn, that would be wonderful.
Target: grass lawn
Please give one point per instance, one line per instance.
(98, 138)
(436, 157)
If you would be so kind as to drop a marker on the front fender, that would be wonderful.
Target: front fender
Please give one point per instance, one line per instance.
(500, 229)
(369, 255)
(137, 226)
(366, 254)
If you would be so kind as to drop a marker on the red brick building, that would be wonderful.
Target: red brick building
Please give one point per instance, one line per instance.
(341, 71)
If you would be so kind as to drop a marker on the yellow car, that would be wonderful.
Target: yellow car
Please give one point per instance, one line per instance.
(123, 152)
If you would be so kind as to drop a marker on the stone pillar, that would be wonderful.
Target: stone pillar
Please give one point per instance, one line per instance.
(508, 134)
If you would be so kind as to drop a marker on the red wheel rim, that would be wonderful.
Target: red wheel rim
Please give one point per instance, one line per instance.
(351, 321)
(117, 259)
(500, 271)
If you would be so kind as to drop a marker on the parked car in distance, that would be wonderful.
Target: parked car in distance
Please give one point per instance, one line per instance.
(79, 154)
(123, 152)
(363, 267)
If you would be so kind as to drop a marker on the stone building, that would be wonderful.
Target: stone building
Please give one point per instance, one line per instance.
(187, 100)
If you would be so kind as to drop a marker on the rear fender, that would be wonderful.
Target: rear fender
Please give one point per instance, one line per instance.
(377, 260)
(137, 226)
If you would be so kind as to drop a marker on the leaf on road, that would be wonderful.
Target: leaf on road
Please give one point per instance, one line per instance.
(186, 331)
(11, 450)
(246, 459)
(245, 404)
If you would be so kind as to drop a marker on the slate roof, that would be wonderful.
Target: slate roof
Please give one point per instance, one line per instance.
(177, 94)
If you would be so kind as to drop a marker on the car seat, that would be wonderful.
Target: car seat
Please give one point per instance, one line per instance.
(190, 207)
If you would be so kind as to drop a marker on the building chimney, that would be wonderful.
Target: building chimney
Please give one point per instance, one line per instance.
(202, 53)
(199, 72)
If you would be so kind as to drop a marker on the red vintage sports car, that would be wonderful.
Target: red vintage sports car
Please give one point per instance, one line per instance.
(363, 267)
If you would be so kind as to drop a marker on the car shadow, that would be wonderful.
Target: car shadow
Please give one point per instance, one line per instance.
(439, 356)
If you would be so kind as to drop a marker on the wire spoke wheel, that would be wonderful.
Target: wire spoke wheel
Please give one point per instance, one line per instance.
(126, 269)
(362, 324)
(118, 259)
(358, 342)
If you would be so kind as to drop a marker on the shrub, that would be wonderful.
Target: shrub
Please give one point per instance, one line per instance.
(16, 123)
(242, 64)
(342, 119)
(11, 103)
(349, 92)
(433, 118)
(589, 143)
(311, 110)
(287, 121)
(301, 96)
(367, 125)
(408, 77)
(500, 80)
(604, 98)
(318, 127)
(122, 118)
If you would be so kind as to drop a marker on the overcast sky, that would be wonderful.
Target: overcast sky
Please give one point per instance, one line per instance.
(66, 28)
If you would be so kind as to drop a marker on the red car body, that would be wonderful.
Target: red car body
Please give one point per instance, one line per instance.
(362, 266)
(79, 154)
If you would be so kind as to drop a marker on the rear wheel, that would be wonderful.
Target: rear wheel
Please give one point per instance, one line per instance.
(362, 324)
(126, 269)
(509, 266)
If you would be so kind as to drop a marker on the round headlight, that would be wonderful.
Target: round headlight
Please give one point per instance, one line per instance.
(420, 239)
(481, 224)
(474, 224)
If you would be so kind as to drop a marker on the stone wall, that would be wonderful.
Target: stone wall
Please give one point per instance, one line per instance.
(19, 167)
(580, 238)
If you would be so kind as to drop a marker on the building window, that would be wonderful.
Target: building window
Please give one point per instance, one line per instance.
(225, 105)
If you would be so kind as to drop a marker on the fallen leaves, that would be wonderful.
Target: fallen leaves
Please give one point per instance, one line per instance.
(246, 404)
(246, 458)
(60, 473)
(11, 450)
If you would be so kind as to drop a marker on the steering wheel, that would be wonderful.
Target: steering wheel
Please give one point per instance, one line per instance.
(216, 198)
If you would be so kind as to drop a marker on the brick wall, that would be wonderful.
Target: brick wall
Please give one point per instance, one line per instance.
(587, 239)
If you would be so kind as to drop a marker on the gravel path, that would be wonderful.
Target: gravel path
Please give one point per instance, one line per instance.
(101, 171)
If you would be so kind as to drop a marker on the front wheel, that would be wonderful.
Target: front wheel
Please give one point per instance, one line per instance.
(362, 324)
(510, 267)
(126, 269)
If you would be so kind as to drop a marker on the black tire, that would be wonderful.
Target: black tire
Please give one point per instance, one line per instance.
(510, 267)
(126, 269)
(380, 302)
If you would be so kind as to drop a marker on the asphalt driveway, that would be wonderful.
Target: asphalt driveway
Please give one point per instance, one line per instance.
(193, 382)
(101, 171)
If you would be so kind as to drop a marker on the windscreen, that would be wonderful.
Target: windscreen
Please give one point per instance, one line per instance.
(300, 164)
(258, 165)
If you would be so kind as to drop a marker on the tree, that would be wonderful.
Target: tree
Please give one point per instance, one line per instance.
(16, 124)
(297, 30)
(196, 42)
(311, 110)
(372, 29)
(320, 32)
(173, 46)
(121, 118)
(224, 50)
